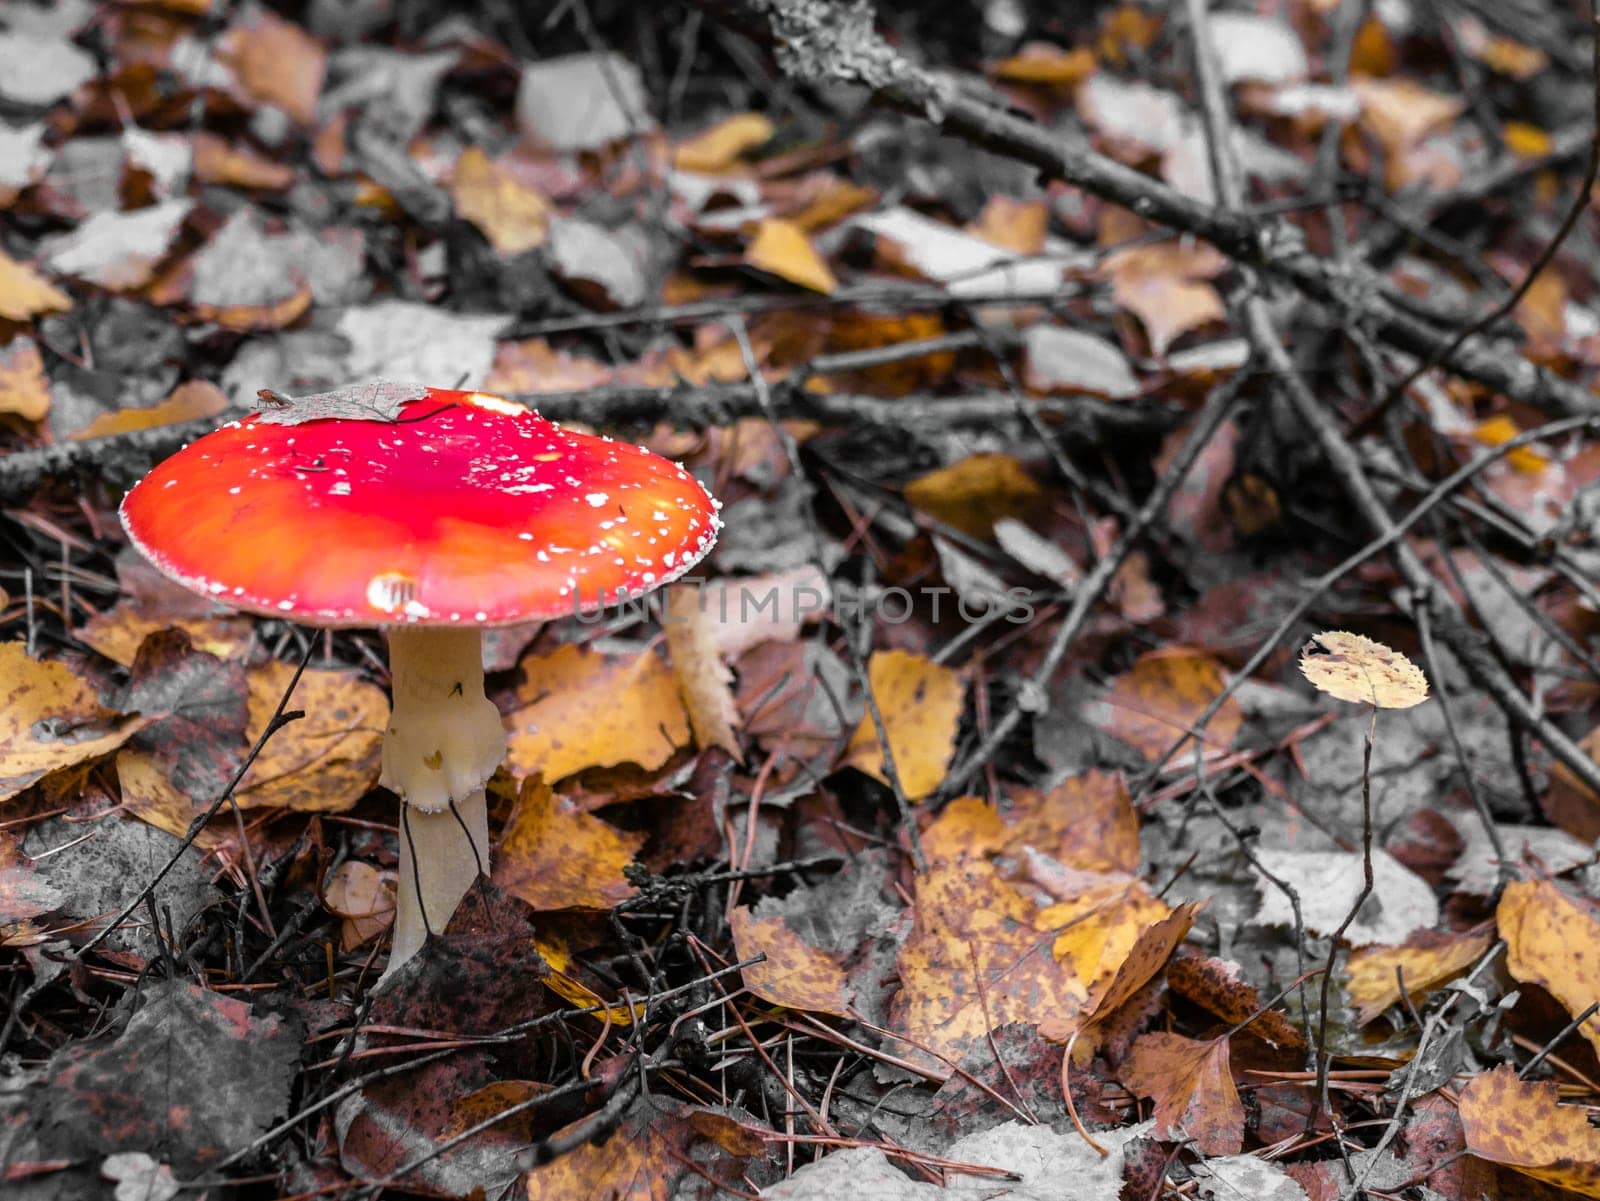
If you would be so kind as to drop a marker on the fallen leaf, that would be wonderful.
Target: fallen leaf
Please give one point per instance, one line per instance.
(363, 896)
(604, 268)
(242, 280)
(326, 761)
(553, 856)
(1215, 985)
(1520, 1124)
(1354, 668)
(217, 161)
(1161, 696)
(117, 251)
(25, 294)
(1328, 883)
(1427, 960)
(795, 975)
(1167, 287)
(276, 62)
(1551, 941)
(24, 390)
(975, 959)
(1019, 225)
(643, 1159)
(1236, 1177)
(1045, 63)
(50, 719)
(416, 343)
(1256, 48)
(1058, 359)
(37, 69)
(188, 402)
(976, 492)
(1500, 429)
(201, 712)
(782, 248)
(703, 677)
(920, 703)
(1192, 1087)
(582, 101)
(578, 709)
(561, 981)
(935, 251)
(721, 147)
(533, 365)
(513, 216)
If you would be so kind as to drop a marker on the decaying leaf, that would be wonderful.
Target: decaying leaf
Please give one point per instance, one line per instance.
(326, 761)
(513, 216)
(188, 402)
(1426, 961)
(1352, 667)
(553, 856)
(579, 709)
(1192, 1086)
(363, 896)
(721, 146)
(50, 719)
(1328, 883)
(371, 400)
(1521, 1124)
(795, 974)
(920, 703)
(976, 492)
(1158, 700)
(1551, 941)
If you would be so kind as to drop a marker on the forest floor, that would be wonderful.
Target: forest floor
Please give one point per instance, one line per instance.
(1138, 735)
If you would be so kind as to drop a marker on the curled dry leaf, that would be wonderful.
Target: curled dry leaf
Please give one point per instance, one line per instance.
(702, 675)
(975, 492)
(363, 896)
(577, 709)
(1355, 668)
(1522, 1125)
(1427, 960)
(920, 703)
(188, 402)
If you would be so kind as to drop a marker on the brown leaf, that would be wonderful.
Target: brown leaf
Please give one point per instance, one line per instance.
(1018, 225)
(1192, 1087)
(975, 492)
(795, 975)
(579, 709)
(920, 702)
(50, 719)
(1167, 287)
(1215, 986)
(363, 896)
(276, 63)
(553, 856)
(1521, 1125)
(1086, 822)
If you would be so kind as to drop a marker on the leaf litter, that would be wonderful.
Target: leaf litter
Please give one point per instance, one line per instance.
(895, 869)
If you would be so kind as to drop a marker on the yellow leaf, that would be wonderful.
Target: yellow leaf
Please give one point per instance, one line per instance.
(1043, 63)
(326, 761)
(795, 975)
(1427, 960)
(1551, 941)
(976, 492)
(702, 675)
(579, 709)
(1351, 667)
(721, 146)
(1526, 141)
(920, 703)
(513, 216)
(1500, 429)
(188, 402)
(50, 719)
(569, 988)
(781, 248)
(1508, 1121)
(554, 856)
(25, 294)
(24, 390)
(1018, 225)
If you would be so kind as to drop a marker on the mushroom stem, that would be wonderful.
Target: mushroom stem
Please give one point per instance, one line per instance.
(443, 743)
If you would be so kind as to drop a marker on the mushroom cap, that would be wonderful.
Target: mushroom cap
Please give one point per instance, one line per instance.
(464, 509)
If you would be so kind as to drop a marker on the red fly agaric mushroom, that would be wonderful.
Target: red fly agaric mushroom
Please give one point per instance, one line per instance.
(433, 514)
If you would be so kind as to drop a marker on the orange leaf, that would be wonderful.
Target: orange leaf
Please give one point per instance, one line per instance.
(795, 975)
(1552, 941)
(277, 63)
(579, 709)
(1508, 1121)
(188, 402)
(1018, 225)
(1192, 1087)
(782, 248)
(555, 857)
(976, 492)
(1167, 288)
(25, 294)
(920, 703)
(1160, 697)
(1043, 63)
(513, 216)
(720, 147)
